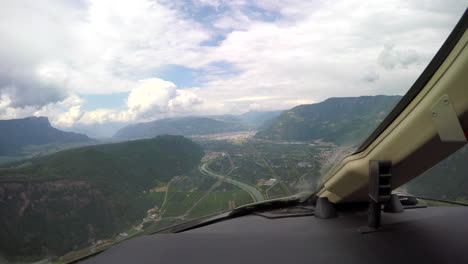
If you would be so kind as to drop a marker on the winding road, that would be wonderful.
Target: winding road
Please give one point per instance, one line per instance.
(256, 194)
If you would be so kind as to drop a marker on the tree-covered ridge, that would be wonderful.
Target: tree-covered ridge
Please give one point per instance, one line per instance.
(57, 203)
(18, 133)
(260, 119)
(130, 160)
(346, 120)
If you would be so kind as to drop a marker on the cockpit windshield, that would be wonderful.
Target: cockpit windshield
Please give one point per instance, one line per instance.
(122, 118)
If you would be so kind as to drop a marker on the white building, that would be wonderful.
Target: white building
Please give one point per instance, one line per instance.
(270, 182)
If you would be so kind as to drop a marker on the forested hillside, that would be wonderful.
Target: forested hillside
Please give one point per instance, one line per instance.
(57, 203)
(346, 120)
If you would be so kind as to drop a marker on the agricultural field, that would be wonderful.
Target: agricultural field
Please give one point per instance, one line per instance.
(220, 201)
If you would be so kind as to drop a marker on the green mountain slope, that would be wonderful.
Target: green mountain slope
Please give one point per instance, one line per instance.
(185, 126)
(346, 120)
(57, 203)
(18, 133)
(260, 119)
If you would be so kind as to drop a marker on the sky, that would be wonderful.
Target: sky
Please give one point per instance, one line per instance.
(88, 62)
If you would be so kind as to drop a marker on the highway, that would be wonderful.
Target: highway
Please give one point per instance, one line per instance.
(256, 194)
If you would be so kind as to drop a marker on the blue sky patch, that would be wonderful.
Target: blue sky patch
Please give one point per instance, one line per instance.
(226, 67)
(257, 13)
(94, 101)
(181, 76)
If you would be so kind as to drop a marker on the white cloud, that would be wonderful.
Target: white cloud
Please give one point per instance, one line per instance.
(390, 58)
(99, 47)
(306, 51)
(148, 100)
(69, 117)
(326, 49)
(153, 97)
(184, 101)
(100, 116)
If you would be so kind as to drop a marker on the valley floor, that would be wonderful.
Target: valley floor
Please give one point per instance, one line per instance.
(237, 169)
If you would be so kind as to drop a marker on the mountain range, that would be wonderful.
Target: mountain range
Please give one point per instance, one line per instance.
(344, 121)
(339, 120)
(19, 133)
(197, 125)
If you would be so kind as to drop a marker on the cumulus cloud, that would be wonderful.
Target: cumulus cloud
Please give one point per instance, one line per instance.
(150, 97)
(154, 97)
(184, 101)
(33, 35)
(70, 117)
(148, 100)
(53, 48)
